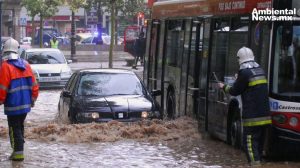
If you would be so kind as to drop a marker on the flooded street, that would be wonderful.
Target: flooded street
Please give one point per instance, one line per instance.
(54, 143)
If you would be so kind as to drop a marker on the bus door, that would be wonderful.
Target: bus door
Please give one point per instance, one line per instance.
(219, 52)
(193, 68)
(202, 54)
(227, 40)
(161, 61)
(153, 56)
(184, 67)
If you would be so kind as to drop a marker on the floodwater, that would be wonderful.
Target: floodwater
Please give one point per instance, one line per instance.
(51, 142)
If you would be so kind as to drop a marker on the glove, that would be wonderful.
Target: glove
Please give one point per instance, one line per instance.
(221, 85)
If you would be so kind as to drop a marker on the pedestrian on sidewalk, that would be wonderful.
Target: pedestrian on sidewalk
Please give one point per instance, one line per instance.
(139, 49)
(18, 93)
(251, 84)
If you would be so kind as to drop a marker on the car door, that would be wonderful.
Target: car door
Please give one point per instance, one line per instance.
(65, 101)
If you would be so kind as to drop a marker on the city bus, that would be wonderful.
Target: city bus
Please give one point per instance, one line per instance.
(192, 45)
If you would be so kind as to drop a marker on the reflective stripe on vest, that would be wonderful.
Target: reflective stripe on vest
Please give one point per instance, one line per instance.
(17, 107)
(257, 121)
(257, 82)
(19, 88)
(3, 87)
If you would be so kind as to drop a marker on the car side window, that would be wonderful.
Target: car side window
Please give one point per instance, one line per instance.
(70, 81)
(73, 83)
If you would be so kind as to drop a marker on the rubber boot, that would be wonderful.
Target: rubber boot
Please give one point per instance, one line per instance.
(17, 156)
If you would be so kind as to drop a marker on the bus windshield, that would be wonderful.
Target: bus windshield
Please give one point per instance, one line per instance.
(286, 63)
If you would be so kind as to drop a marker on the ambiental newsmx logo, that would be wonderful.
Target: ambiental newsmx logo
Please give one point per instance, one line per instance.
(273, 15)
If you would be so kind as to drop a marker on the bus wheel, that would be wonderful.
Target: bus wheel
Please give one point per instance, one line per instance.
(235, 132)
(170, 105)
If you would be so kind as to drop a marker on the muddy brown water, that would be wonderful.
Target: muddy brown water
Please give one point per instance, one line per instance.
(52, 142)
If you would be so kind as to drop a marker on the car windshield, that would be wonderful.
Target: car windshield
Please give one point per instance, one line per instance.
(107, 84)
(45, 57)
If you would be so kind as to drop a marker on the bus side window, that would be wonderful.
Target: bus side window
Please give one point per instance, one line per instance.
(238, 38)
(219, 47)
(287, 34)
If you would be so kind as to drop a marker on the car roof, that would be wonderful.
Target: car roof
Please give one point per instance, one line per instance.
(106, 70)
(41, 49)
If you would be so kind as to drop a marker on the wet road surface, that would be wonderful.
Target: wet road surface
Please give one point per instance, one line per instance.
(54, 143)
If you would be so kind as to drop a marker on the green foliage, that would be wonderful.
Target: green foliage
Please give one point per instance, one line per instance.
(126, 7)
(76, 4)
(44, 8)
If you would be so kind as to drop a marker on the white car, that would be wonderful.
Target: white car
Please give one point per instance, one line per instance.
(26, 41)
(105, 39)
(50, 66)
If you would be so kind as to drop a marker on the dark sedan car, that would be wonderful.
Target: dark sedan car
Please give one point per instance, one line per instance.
(101, 95)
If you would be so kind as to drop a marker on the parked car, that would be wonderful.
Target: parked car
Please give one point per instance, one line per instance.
(26, 41)
(48, 33)
(81, 36)
(50, 66)
(101, 95)
(106, 40)
(89, 41)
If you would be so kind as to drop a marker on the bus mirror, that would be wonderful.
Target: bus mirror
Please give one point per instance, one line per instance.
(287, 35)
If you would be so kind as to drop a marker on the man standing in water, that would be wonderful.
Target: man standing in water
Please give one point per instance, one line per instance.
(18, 92)
(251, 84)
(139, 49)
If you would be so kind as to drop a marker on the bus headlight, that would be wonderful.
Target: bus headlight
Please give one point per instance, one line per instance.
(279, 118)
(293, 121)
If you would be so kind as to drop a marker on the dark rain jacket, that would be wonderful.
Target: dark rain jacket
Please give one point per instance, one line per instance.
(18, 87)
(251, 84)
(139, 46)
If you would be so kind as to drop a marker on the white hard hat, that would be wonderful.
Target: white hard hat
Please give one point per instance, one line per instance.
(245, 54)
(11, 45)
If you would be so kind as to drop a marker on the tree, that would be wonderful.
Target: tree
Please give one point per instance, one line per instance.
(43, 8)
(31, 6)
(111, 47)
(128, 8)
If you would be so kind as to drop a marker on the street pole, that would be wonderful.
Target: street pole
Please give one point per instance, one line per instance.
(1, 31)
(73, 47)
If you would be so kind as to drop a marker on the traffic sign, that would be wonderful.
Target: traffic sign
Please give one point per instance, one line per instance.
(23, 21)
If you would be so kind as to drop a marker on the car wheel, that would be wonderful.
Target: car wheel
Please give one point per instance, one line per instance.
(235, 130)
(72, 118)
(171, 105)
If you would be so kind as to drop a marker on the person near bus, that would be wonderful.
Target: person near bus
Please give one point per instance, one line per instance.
(54, 42)
(251, 84)
(139, 49)
(18, 93)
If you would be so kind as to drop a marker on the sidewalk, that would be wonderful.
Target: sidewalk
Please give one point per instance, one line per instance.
(96, 56)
